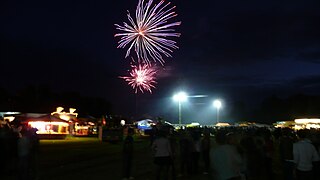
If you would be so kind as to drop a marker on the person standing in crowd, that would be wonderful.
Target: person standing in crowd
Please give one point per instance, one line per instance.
(128, 155)
(3, 146)
(185, 146)
(24, 145)
(226, 162)
(304, 155)
(205, 149)
(286, 153)
(34, 151)
(252, 156)
(174, 145)
(162, 155)
(196, 150)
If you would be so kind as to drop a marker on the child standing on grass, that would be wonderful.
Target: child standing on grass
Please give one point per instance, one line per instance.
(128, 155)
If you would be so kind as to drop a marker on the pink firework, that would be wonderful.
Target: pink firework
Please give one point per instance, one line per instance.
(149, 31)
(142, 77)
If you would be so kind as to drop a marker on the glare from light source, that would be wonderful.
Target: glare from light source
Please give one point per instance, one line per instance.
(217, 104)
(180, 97)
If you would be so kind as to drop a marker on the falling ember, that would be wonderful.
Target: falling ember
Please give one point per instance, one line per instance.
(142, 77)
(149, 31)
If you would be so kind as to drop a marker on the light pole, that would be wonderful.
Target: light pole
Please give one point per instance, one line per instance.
(180, 97)
(217, 104)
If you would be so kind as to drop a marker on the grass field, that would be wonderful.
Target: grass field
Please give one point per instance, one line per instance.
(88, 158)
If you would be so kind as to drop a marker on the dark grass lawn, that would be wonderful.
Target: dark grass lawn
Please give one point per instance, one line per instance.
(72, 150)
(82, 158)
(88, 158)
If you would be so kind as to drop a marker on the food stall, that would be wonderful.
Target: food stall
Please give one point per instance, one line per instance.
(49, 126)
(307, 123)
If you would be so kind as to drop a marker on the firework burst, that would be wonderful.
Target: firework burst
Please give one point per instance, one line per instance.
(148, 33)
(142, 77)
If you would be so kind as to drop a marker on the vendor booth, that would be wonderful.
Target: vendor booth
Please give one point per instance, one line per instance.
(49, 127)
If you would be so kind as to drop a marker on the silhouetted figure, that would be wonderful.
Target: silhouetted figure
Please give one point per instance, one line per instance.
(3, 147)
(162, 155)
(128, 154)
(286, 153)
(185, 146)
(34, 152)
(205, 149)
(304, 155)
(196, 139)
(253, 158)
(268, 148)
(226, 162)
(173, 143)
(24, 145)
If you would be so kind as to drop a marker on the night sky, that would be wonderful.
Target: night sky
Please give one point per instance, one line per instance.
(233, 50)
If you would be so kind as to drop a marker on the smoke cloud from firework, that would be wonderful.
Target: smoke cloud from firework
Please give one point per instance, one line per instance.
(148, 32)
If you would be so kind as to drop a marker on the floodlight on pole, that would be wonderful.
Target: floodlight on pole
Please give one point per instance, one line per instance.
(217, 104)
(180, 97)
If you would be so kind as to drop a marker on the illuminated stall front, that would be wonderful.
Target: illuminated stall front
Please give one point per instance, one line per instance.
(77, 126)
(311, 123)
(69, 117)
(49, 126)
(222, 124)
(303, 123)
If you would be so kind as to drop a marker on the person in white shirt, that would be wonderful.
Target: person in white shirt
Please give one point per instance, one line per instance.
(304, 155)
(226, 162)
(162, 155)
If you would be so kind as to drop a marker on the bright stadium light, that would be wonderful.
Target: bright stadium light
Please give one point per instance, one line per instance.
(217, 104)
(180, 97)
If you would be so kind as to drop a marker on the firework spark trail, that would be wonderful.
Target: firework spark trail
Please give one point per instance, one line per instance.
(148, 34)
(142, 77)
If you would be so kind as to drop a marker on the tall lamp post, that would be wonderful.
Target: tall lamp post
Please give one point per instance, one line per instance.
(180, 97)
(217, 104)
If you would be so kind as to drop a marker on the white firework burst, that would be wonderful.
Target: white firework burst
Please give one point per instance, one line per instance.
(148, 33)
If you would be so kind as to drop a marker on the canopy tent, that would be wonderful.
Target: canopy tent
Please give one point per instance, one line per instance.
(145, 124)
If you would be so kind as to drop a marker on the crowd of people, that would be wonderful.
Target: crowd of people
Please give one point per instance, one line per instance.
(230, 153)
(236, 153)
(19, 145)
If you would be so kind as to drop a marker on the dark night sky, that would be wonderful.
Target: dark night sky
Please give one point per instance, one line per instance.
(234, 50)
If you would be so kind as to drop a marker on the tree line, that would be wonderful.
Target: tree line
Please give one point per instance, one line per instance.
(274, 108)
(41, 99)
